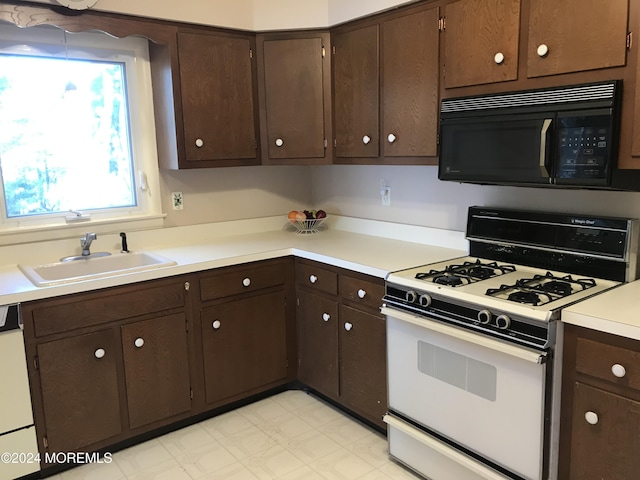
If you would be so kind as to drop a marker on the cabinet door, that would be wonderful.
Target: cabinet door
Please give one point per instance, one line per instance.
(481, 43)
(294, 97)
(576, 35)
(318, 343)
(79, 382)
(156, 369)
(356, 92)
(217, 98)
(244, 345)
(363, 362)
(410, 73)
(606, 446)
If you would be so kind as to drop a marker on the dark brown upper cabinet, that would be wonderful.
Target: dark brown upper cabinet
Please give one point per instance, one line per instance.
(481, 42)
(576, 35)
(210, 119)
(386, 83)
(294, 85)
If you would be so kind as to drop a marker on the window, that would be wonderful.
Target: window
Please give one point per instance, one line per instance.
(72, 134)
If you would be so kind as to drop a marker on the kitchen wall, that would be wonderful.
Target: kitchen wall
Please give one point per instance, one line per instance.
(417, 197)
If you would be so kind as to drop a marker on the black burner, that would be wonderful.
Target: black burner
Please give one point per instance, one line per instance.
(481, 272)
(558, 287)
(523, 296)
(448, 279)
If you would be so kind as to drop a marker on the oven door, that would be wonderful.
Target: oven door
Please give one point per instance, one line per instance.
(481, 394)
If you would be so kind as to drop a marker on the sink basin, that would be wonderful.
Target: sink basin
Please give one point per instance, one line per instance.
(99, 267)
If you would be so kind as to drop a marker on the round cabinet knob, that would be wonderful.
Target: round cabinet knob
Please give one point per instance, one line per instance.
(542, 50)
(362, 293)
(591, 418)
(498, 58)
(279, 142)
(216, 324)
(326, 317)
(246, 282)
(139, 342)
(348, 326)
(411, 296)
(366, 139)
(313, 278)
(618, 370)
(391, 138)
(199, 142)
(99, 353)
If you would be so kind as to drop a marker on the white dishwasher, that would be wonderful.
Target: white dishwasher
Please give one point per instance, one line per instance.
(18, 445)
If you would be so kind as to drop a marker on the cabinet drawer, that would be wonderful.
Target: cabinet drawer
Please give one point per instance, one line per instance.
(367, 293)
(608, 362)
(87, 310)
(317, 278)
(241, 280)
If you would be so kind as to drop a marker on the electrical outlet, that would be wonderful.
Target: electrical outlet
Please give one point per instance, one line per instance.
(385, 193)
(176, 200)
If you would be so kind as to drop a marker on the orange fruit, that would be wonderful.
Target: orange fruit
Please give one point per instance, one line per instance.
(293, 214)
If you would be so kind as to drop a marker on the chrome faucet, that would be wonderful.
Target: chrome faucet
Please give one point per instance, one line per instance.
(85, 243)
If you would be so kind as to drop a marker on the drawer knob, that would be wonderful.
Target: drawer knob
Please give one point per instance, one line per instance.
(391, 138)
(99, 353)
(348, 326)
(246, 282)
(618, 370)
(498, 58)
(279, 142)
(139, 342)
(542, 50)
(313, 278)
(216, 324)
(199, 143)
(326, 317)
(591, 418)
(362, 293)
(366, 139)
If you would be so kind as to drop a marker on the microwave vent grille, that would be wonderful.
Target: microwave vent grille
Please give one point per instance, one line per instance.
(581, 93)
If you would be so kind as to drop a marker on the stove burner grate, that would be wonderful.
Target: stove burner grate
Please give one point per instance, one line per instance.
(456, 275)
(541, 289)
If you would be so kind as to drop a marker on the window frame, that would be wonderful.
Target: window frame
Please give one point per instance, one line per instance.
(134, 52)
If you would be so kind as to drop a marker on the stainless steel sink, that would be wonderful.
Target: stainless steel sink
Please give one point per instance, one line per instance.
(86, 269)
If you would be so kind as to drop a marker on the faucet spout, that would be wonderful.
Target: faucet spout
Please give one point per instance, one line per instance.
(85, 243)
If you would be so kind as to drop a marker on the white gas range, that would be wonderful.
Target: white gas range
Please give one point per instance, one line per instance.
(474, 346)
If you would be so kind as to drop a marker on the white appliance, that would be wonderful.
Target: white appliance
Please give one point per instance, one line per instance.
(474, 345)
(18, 445)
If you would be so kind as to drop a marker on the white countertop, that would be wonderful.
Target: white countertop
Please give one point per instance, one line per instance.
(615, 311)
(203, 247)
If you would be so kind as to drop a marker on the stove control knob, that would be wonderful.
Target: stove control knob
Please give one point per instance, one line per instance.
(503, 322)
(484, 316)
(424, 300)
(411, 296)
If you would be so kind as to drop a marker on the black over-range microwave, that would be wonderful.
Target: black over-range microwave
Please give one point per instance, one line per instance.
(565, 136)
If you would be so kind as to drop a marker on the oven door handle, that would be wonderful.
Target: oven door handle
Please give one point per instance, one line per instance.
(523, 353)
(459, 458)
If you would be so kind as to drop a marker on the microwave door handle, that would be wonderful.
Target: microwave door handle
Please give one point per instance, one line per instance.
(543, 146)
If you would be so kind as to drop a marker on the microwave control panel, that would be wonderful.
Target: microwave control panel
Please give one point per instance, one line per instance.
(584, 147)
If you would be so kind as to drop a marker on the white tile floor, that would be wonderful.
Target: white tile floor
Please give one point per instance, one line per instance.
(290, 436)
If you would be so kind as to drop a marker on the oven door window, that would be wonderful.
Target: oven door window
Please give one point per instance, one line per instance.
(496, 149)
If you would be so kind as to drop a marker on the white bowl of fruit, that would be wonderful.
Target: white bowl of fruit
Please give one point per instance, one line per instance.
(307, 221)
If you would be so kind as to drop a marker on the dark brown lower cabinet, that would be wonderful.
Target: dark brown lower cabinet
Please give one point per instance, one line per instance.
(156, 368)
(79, 384)
(318, 343)
(244, 343)
(363, 362)
(600, 414)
